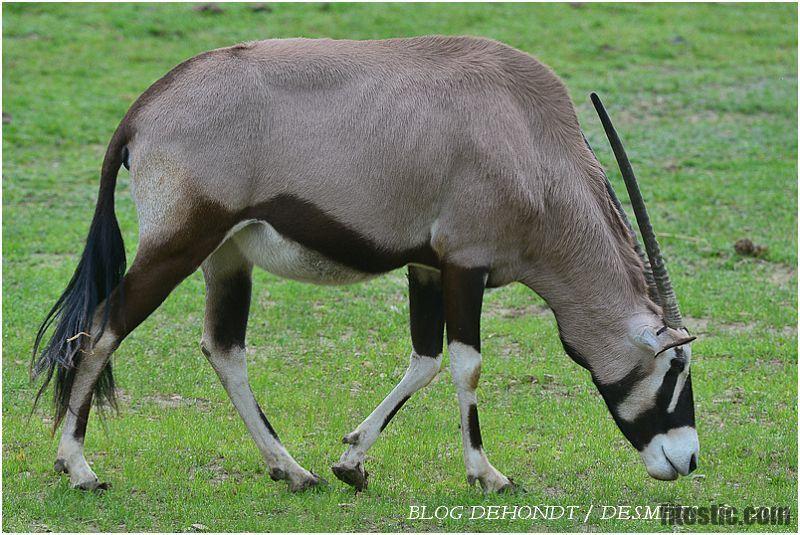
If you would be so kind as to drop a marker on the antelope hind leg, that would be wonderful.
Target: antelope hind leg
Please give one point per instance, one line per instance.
(153, 275)
(228, 288)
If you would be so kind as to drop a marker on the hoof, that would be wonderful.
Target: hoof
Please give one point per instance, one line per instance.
(508, 488)
(353, 475)
(493, 483)
(93, 484)
(312, 482)
(60, 466)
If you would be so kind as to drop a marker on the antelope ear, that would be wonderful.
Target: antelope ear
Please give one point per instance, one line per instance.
(647, 339)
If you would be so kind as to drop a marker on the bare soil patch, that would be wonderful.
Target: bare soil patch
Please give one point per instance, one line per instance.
(165, 401)
(498, 310)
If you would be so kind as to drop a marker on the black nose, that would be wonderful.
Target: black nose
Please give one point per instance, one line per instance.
(692, 464)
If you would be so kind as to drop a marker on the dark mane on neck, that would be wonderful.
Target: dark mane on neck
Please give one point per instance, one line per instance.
(633, 263)
(620, 230)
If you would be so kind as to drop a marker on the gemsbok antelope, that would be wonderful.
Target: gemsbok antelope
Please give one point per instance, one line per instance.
(331, 162)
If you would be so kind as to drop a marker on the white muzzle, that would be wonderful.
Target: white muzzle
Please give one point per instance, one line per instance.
(671, 454)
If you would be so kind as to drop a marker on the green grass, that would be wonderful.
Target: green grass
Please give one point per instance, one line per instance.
(705, 96)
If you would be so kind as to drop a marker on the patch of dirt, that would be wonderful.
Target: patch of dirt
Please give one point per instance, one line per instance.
(261, 7)
(772, 363)
(40, 527)
(507, 348)
(214, 472)
(497, 310)
(733, 395)
(207, 8)
(546, 384)
(708, 325)
(172, 401)
(166, 401)
(788, 330)
(553, 492)
(49, 259)
(781, 274)
(699, 326)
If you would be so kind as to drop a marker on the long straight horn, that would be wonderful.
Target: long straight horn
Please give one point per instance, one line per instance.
(669, 303)
(652, 289)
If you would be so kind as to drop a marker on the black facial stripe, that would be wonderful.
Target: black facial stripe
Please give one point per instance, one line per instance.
(678, 364)
(474, 427)
(685, 405)
(657, 420)
(615, 393)
(653, 421)
(313, 227)
(667, 388)
(393, 412)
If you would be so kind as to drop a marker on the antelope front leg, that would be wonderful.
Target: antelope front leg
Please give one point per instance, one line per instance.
(427, 330)
(463, 296)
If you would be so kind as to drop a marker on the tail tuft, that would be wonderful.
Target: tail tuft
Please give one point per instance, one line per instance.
(99, 272)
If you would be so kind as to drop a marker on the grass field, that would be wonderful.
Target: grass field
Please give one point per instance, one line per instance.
(705, 96)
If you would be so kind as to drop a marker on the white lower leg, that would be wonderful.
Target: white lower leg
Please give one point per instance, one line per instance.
(421, 371)
(231, 368)
(465, 365)
(70, 457)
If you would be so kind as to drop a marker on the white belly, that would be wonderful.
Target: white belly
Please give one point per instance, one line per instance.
(275, 253)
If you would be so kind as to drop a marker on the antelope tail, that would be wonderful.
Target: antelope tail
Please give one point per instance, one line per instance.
(100, 270)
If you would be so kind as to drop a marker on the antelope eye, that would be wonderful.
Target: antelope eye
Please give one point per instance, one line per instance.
(677, 364)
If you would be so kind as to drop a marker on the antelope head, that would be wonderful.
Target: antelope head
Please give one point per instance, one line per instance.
(652, 404)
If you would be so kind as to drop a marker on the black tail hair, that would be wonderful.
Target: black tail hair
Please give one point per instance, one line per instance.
(99, 271)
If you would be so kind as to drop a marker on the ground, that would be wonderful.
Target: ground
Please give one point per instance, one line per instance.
(705, 97)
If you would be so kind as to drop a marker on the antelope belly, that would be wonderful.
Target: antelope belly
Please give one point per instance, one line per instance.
(279, 255)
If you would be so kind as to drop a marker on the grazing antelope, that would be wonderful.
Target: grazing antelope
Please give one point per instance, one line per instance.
(332, 162)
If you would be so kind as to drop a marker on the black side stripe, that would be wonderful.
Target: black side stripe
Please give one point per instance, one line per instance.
(315, 228)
